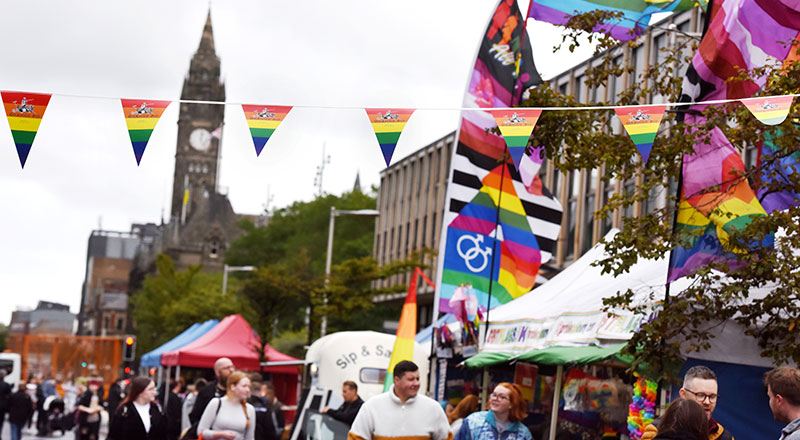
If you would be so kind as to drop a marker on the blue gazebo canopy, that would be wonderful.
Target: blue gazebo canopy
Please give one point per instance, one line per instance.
(153, 358)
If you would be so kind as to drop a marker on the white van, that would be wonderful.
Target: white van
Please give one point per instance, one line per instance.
(360, 356)
(12, 364)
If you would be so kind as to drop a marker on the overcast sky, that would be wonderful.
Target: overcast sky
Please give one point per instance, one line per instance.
(81, 173)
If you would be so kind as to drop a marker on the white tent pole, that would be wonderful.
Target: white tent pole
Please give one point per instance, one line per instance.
(556, 398)
(177, 374)
(166, 388)
(485, 387)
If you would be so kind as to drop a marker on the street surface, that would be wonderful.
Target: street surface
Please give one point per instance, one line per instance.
(30, 433)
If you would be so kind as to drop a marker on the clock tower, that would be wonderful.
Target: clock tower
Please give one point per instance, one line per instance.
(197, 154)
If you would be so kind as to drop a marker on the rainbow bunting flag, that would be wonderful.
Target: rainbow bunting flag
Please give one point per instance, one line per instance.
(642, 125)
(141, 118)
(388, 124)
(263, 121)
(516, 127)
(770, 111)
(24, 111)
(406, 331)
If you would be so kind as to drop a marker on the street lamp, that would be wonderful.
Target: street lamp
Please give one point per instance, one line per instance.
(323, 328)
(226, 269)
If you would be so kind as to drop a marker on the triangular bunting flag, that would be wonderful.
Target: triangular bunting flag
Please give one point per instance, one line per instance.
(24, 111)
(642, 125)
(770, 110)
(516, 127)
(263, 121)
(141, 118)
(388, 124)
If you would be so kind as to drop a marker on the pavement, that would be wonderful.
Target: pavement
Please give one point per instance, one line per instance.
(30, 433)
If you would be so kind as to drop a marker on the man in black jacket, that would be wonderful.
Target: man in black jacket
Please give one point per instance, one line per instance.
(349, 409)
(223, 368)
(20, 408)
(265, 428)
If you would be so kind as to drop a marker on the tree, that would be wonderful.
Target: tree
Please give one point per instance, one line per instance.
(172, 300)
(3, 337)
(721, 291)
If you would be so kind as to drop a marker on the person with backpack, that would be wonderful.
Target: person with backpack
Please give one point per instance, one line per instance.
(139, 417)
(230, 417)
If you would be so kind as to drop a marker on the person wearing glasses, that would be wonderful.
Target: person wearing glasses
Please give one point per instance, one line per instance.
(700, 385)
(503, 421)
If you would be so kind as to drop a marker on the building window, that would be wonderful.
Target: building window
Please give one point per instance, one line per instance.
(120, 323)
(105, 322)
(588, 210)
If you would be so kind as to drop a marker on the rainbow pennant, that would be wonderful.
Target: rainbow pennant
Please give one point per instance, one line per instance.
(388, 124)
(141, 117)
(769, 110)
(403, 349)
(516, 127)
(24, 111)
(642, 125)
(263, 121)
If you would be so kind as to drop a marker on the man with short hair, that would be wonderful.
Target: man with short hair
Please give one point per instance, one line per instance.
(349, 409)
(265, 430)
(223, 368)
(401, 412)
(783, 389)
(700, 385)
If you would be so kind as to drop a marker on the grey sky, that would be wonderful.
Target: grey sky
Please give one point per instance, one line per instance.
(89, 54)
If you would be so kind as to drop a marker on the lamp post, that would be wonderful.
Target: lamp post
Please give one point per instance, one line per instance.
(323, 327)
(226, 269)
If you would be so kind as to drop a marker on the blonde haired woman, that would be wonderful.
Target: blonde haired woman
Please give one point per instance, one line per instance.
(230, 417)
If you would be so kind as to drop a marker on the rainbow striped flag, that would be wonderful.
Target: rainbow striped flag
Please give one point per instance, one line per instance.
(141, 118)
(642, 125)
(406, 331)
(24, 112)
(778, 167)
(771, 111)
(388, 124)
(635, 13)
(263, 121)
(516, 127)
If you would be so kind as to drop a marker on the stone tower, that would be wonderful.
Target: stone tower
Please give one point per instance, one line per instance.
(197, 154)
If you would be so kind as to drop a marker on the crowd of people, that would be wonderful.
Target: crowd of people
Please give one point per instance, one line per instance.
(241, 406)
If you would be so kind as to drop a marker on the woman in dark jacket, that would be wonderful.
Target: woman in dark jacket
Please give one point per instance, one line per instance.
(138, 416)
(684, 420)
(90, 405)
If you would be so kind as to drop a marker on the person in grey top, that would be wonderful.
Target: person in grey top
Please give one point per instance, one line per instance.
(783, 389)
(230, 417)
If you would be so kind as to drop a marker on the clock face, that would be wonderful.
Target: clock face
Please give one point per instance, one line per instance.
(200, 139)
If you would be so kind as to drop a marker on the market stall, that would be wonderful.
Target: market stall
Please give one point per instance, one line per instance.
(153, 358)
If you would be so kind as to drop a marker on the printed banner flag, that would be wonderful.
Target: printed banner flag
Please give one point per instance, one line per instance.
(516, 127)
(263, 121)
(642, 125)
(500, 222)
(388, 124)
(406, 330)
(770, 111)
(635, 13)
(24, 111)
(141, 118)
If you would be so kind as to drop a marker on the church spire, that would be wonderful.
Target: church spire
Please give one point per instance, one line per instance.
(207, 42)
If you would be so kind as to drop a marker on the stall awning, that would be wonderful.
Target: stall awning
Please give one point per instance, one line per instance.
(550, 356)
(153, 358)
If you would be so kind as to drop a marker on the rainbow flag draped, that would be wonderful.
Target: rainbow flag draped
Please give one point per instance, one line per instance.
(500, 221)
(642, 125)
(141, 118)
(406, 331)
(516, 127)
(388, 125)
(263, 121)
(770, 111)
(24, 112)
(635, 13)
(716, 201)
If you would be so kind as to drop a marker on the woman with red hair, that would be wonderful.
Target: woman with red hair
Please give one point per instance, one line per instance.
(503, 421)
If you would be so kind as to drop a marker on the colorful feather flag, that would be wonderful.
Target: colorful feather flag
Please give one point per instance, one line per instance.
(406, 330)
(388, 124)
(642, 123)
(635, 13)
(500, 221)
(716, 201)
(24, 112)
(263, 121)
(141, 118)
(516, 127)
(770, 110)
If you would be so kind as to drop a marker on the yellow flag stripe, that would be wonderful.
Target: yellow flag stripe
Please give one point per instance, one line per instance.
(24, 124)
(141, 123)
(388, 127)
(255, 123)
(524, 130)
(642, 128)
